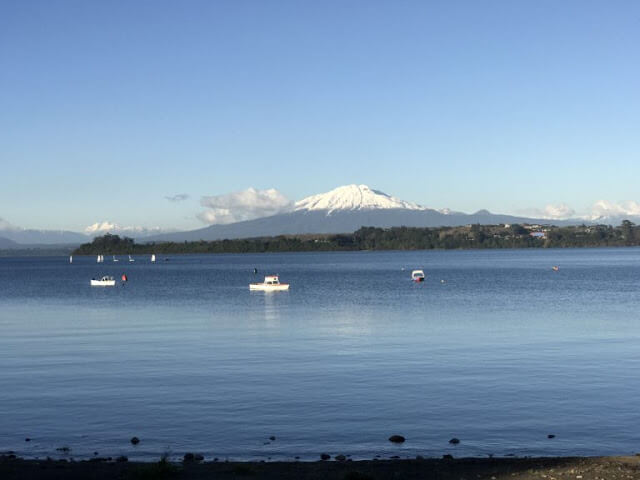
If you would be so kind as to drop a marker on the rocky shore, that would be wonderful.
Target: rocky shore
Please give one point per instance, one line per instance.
(548, 468)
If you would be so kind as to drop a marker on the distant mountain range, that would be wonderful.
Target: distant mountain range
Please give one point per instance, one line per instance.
(6, 243)
(25, 237)
(342, 210)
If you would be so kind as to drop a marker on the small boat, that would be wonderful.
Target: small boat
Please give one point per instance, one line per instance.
(100, 259)
(153, 258)
(103, 282)
(417, 276)
(70, 258)
(555, 268)
(131, 259)
(115, 259)
(271, 284)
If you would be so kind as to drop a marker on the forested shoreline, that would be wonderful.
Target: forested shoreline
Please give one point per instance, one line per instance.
(395, 238)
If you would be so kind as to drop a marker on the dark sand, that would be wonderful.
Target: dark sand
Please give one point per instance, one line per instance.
(581, 468)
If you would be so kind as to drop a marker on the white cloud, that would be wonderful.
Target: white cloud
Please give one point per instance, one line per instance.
(177, 198)
(559, 211)
(600, 210)
(604, 209)
(100, 228)
(5, 225)
(244, 205)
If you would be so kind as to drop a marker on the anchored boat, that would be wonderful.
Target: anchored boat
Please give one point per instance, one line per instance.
(103, 282)
(271, 284)
(417, 276)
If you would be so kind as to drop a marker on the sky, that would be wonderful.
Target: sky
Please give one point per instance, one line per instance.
(141, 112)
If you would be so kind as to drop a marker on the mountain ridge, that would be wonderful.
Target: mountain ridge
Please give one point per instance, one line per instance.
(319, 221)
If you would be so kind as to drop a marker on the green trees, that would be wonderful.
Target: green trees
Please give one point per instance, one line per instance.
(107, 244)
(396, 238)
(628, 232)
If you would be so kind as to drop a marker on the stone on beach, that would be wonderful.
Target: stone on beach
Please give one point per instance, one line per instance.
(340, 458)
(397, 439)
(325, 456)
(454, 441)
(135, 440)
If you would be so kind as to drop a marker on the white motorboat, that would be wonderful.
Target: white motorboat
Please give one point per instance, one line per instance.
(103, 282)
(271, 284)
(417, 276)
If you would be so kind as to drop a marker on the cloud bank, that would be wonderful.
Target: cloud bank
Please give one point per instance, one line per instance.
(244, 205)
(559, 211)
(5, 225)
(100, 228)
(604, 209)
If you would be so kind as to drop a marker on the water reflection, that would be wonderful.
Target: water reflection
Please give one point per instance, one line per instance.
(272, 304)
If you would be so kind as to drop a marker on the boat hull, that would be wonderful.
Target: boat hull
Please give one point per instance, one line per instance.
(268, 288)
(103, 283)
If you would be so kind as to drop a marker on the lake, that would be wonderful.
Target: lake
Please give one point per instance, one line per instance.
(495, 348)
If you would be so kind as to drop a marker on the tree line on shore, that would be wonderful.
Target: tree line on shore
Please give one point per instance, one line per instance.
(395, 238)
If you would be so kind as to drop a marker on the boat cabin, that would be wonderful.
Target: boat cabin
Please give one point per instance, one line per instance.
(417, 276)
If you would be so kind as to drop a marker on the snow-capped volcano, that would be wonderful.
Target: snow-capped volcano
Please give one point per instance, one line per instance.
(353, 197)
(342, 210)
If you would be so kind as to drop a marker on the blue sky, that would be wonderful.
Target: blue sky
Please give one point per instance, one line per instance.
(106, 108)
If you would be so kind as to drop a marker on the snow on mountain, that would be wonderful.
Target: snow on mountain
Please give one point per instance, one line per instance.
(353, 197)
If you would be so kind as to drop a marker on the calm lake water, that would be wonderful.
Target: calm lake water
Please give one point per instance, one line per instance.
(502, 353)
